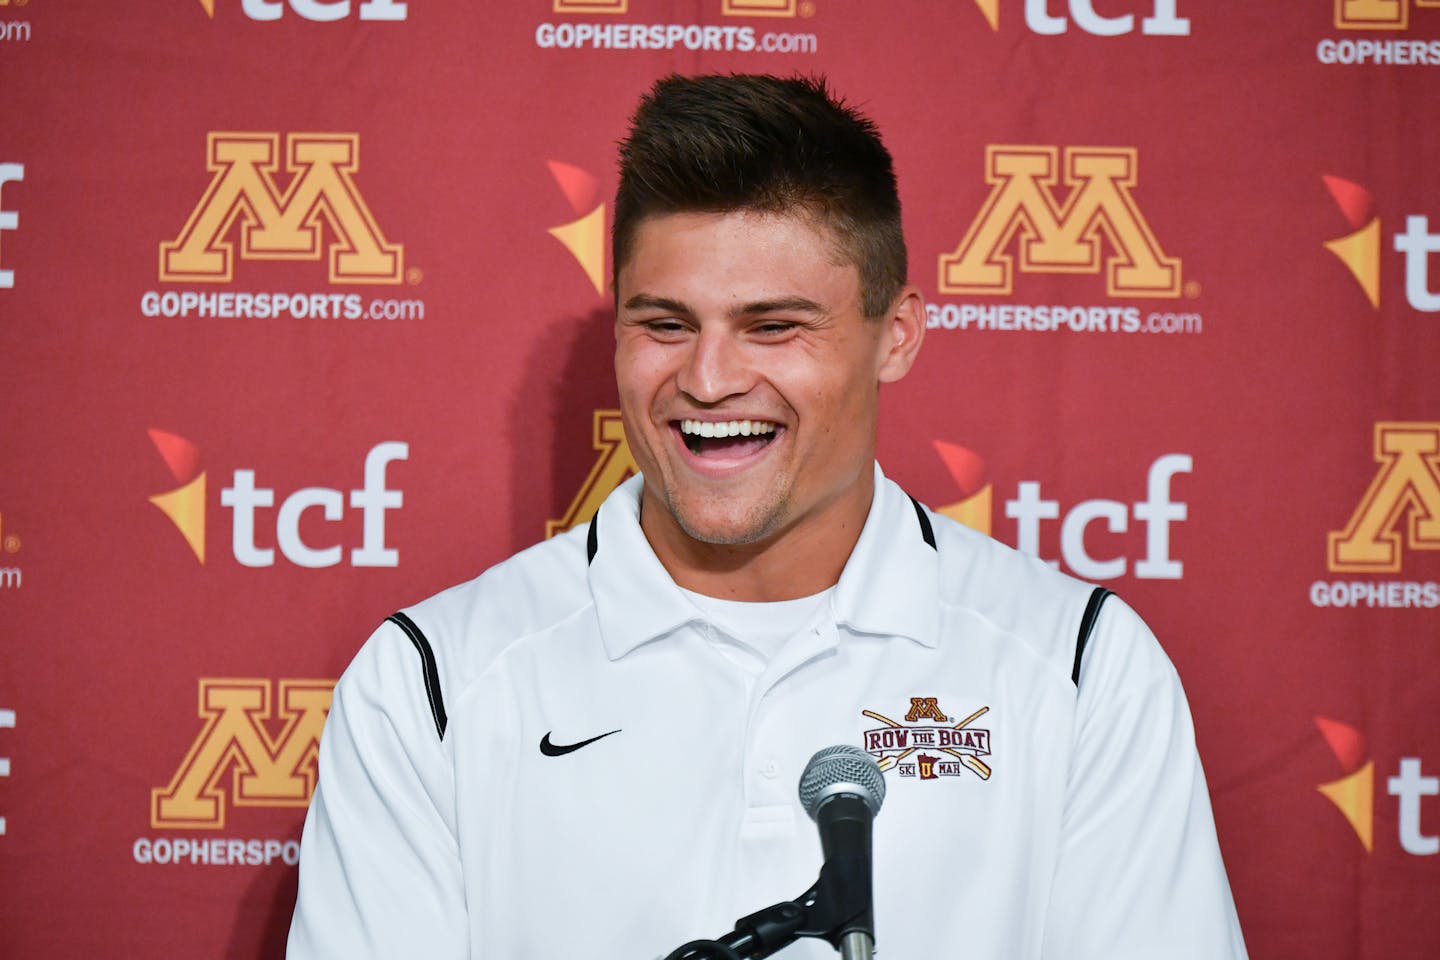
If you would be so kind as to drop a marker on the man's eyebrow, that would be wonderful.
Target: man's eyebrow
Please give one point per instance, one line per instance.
(644, 301)
(795, 304)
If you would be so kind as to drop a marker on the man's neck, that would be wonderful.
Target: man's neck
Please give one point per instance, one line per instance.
(803, 559)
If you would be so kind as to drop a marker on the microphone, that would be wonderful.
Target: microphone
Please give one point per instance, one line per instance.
(842, 789)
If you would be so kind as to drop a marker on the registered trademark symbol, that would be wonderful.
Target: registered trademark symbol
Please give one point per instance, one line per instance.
(807, 9)
(12, 544)
(1192, 289)
(414, 275)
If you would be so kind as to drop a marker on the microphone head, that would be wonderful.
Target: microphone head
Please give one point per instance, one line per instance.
(841, 769)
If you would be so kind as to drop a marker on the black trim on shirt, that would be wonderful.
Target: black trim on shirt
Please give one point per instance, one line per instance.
(592, 539)
(429, 667)
(926, 530)
(1087, 626)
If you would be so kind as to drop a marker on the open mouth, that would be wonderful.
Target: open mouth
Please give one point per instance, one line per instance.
(727, 439)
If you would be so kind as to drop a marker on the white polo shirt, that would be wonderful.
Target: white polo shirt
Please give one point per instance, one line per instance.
(1025, 818)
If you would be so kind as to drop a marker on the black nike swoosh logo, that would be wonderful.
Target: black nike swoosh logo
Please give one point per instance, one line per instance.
(559, 749)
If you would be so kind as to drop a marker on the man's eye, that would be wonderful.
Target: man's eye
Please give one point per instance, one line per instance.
(665, 327)
(773, 328)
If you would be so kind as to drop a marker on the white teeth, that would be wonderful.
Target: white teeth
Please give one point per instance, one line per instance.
(726, 428)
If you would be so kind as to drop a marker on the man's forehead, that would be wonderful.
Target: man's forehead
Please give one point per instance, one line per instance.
(779, 235)
(799, 214)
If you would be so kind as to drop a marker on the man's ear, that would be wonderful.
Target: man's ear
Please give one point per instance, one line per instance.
(904, 330)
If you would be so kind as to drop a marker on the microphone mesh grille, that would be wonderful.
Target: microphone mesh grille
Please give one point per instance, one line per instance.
(846, 767)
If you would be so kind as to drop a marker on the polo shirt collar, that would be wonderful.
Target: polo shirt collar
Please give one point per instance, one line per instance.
(891, 584)
(889, 587)
(635, 598)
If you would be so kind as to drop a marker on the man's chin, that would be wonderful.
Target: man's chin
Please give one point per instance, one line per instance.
(727, 527)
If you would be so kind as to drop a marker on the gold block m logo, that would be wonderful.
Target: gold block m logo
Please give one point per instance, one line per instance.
(925, 708)
(1060, 237)
(614, 464)
(282, 224)
(267, 771)
(1407, 483)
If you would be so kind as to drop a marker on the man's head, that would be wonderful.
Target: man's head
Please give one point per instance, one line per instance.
(760, 303)
(716, 144)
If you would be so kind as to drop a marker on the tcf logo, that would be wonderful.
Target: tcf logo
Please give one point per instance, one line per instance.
(1030, 509)
(1354, 793)
(186, 508)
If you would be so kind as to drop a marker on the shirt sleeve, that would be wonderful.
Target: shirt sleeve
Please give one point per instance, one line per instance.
(1139, 873)
(379, 863)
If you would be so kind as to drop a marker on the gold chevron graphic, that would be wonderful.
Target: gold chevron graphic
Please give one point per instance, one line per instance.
(585, 239)
(1360, 252)
(1355, 797)
(185, 506)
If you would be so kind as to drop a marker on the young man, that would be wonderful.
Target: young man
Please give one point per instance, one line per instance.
(593, 748)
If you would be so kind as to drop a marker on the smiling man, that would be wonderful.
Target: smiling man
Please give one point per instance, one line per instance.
(749, 379)
(592, 749)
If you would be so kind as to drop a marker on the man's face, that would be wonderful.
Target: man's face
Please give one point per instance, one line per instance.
(748, 375)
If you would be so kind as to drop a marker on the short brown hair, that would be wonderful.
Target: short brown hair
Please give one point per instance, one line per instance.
(750, 142)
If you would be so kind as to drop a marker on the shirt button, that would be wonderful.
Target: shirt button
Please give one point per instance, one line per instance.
(771, 770)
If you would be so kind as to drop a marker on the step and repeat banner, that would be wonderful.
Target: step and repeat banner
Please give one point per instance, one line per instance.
(305, 314)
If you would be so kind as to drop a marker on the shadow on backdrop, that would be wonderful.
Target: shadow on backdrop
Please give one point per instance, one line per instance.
(569, 375)
(262, 920)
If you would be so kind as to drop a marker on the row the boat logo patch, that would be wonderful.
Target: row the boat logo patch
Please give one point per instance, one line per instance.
(928, 751)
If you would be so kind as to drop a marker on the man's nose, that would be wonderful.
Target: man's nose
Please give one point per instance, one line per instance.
(716, 368)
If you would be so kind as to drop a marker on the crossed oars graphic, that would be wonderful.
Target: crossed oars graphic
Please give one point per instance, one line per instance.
(976, 765)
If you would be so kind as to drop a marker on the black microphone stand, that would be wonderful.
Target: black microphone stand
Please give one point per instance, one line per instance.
(836, 907)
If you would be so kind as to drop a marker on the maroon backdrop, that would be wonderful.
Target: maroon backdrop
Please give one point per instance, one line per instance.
(304, 315)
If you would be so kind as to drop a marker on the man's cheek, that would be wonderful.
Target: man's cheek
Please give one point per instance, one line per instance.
(638, 434)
